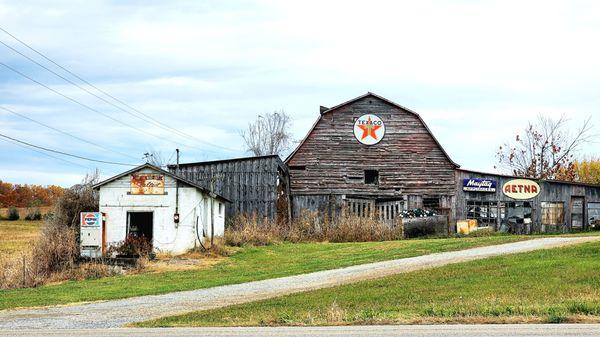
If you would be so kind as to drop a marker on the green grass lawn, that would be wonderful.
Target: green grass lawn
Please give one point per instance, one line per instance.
(249, 264)
(16, 235)
(556, 285)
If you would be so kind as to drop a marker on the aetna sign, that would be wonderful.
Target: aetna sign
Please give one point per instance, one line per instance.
(521, 189)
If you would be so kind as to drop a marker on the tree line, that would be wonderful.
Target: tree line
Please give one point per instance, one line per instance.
(25, 195)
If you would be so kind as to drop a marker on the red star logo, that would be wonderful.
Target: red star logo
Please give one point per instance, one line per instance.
(369, 129)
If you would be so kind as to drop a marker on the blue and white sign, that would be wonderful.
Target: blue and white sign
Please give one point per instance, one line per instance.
(479, 185)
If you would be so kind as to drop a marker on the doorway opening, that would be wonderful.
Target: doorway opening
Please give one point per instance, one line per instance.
(577, 213)
(139, 224)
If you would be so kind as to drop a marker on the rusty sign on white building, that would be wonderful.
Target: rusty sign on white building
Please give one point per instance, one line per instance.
(147, 183)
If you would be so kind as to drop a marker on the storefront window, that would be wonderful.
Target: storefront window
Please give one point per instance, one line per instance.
(516, 212)
(594, 214)
(485, 212)
(553, 213)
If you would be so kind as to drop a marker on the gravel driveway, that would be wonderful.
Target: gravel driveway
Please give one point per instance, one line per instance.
(116, 313)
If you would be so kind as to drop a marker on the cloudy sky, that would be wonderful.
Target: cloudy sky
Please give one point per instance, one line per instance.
(475, 71)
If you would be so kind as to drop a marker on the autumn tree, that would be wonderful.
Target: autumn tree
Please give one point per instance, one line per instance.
(545, 150)
(18, 195)
(268, 134)
(587, 170)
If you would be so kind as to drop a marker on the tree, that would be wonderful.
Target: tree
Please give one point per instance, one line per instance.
(268, 134)
(588, 170)
(155, 158)
(546, 149)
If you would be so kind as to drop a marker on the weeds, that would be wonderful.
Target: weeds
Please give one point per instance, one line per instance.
(250, 230)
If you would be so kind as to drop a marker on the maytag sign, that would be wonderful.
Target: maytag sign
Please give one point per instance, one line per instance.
(479, 185)
(521, 189)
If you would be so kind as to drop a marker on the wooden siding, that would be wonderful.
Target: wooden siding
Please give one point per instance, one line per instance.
(550, 191)
(255, 185)
(409, 160)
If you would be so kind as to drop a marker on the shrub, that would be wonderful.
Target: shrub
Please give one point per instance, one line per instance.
(34, 215)
(13, 214)
(132, 246)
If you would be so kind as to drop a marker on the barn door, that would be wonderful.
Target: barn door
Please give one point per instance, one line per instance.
(362, 208)
(388, 211)
(576, 213)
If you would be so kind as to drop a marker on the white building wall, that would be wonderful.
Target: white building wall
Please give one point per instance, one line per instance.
(194, 206)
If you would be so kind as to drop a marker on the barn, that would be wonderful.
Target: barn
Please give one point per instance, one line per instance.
(255, 185)
(371, 157)
(173, 213)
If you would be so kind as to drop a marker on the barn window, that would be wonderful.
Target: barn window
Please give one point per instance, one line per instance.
(485, 212)
(553, 213)
(220, 209)
(372, 177)
(431, 203)
(298, 167)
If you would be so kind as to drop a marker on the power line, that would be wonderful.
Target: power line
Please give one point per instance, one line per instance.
(89, 107)
(66, 133)
(156, 122)
(64, 153)
(45, 154)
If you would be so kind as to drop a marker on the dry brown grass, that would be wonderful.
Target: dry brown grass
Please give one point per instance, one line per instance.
(250, 230)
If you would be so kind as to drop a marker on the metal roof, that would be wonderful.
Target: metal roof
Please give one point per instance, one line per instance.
(219, 161)
(167, 173)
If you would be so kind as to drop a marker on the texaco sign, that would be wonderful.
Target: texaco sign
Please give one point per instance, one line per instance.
(369, 129)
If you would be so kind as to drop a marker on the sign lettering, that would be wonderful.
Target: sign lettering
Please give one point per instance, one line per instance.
(521, 189)
(479, 185)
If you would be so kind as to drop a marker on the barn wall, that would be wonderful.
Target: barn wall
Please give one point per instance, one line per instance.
(254, 185)
(194, 206)
(549, 192)
(409, 161)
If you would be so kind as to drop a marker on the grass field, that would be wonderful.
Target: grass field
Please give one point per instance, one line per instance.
(17, 235)
(248, 264)
(557, 285)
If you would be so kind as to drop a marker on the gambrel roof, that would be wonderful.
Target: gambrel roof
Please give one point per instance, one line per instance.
(370, 94)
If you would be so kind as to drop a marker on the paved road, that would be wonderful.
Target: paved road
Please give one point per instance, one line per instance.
(116, 313)
(515, 330)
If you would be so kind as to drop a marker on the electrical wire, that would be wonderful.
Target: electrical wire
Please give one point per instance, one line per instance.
(153, 120)
(66, 133)
(45, 154)
(64, 153)
(90, 108)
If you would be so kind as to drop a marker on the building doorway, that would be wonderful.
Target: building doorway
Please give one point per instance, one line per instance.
(576, 213)
(139, 224)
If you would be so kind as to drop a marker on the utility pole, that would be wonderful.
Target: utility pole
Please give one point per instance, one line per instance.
(176, 215)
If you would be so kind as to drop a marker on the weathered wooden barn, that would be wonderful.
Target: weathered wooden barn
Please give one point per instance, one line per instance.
(520, 205)
(370, 155)
(254, 185)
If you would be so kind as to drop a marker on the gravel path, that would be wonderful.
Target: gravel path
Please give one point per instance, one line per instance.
(116, 313)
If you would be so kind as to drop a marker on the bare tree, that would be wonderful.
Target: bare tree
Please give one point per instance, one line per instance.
(155, 158)
(268, 134)
(546, 150)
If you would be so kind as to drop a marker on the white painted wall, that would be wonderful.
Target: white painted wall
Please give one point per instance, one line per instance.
(194, 208)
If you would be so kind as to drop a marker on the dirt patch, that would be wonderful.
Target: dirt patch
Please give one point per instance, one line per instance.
(180, 263)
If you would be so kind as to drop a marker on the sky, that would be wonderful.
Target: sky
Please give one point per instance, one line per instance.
(476, 71)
